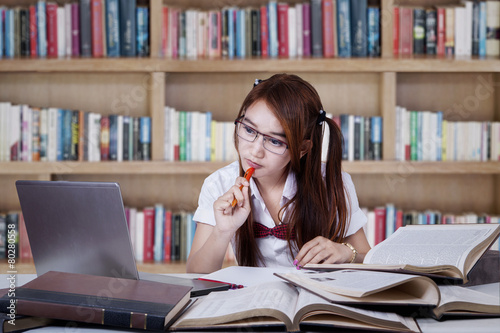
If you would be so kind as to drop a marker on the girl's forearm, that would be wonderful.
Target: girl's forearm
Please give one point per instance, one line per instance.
(210, 256)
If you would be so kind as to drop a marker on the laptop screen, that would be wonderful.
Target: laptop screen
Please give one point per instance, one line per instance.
(77, 227)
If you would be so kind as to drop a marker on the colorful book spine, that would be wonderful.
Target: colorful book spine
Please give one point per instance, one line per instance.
(112, 28)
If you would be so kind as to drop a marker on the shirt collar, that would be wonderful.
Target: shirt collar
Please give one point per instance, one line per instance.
(289, 189)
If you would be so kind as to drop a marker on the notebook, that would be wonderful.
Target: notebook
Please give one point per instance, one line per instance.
(81, 227)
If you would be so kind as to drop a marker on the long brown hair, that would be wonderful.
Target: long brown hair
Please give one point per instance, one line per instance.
(319, 207)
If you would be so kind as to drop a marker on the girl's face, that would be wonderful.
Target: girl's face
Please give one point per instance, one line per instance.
(253, 154)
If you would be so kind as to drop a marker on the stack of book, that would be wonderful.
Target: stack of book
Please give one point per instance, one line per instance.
(317, 28)
(453, 30)
(88, 28)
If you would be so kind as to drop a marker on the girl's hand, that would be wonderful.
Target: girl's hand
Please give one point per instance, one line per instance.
(229, 219)
(322, 250)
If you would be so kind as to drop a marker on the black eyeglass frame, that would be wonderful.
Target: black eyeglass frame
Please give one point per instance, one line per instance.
(265, 136)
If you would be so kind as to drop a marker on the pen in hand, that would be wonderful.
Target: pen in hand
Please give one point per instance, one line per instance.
(248, 174)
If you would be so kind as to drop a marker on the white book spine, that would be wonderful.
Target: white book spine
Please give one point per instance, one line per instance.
(67, 29)
(119, 139)
(139, 236)
(61, 32)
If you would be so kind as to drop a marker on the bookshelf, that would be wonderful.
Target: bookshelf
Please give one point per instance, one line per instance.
(362, 86)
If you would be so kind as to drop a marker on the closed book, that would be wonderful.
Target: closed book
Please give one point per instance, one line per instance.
(373, 32)
(475, 28)
(85, 29)
(283, 42)
(96, 12)
(405, 31)
(264, 32)
(395, 32)
(376, 137)
(418, 31)
(25, 32)
(104, 144)
(430, 31)
(41, 28)
(328, 22)
(75, 30)
(33, 31)
(344, 28)
(145, 138)
(127, 28)
(359, 29)
(127, 303)
(149, 234)
(142, 31)
(316, 29)
(112, 29)
(52, 29)
(306, 30)
(273, 28)
(493, 28)
(440, 31)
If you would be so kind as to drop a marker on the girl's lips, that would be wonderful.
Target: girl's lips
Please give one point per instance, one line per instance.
(253, 164)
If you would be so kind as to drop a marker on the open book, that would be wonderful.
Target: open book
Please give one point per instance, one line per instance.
(281, 304)
(447, 251)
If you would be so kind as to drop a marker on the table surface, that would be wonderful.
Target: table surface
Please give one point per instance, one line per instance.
(427, 325)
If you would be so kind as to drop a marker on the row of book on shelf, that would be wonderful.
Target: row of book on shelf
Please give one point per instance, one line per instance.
(54, 134)
(466, 29)
(384, 220)
(160, 234)
(427, 136)
(317, 28)
(88, 28)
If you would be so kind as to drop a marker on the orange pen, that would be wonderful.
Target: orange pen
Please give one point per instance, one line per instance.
(248, 174)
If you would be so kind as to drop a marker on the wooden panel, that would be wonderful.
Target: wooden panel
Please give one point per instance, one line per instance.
(387, 105)
(386, 22)
(223, 93)
(461, 96)
(177, 192)
(121, 93)
(447, 193)
(156, 88)
(8, 195)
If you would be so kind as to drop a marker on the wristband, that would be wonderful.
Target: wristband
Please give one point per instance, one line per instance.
(354, 252)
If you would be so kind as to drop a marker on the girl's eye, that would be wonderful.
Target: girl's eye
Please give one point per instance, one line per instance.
(275, 142)
(249, 130)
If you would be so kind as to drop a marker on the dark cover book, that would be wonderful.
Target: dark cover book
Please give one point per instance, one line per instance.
(419, 31)
(112, 29)
(306, 28)
(431, 31)
(145, 138)
(135, 139)
(25, 32)
(344, 128)
(127, 303)
(85, 29)
(67, 134)
(51, 29)
(255, 22)
(126, 138)
(357, 138)
(316, 29)
(344, 28)
(104, 138)
(142, 31)
(128, 27)
(475, 28)
(113, 137)
(33, 31)
(75, 135)
(359, 30)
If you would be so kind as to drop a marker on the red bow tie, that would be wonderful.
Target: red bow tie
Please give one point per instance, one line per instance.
(279, 231)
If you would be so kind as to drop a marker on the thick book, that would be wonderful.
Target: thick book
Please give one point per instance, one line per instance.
(278, 304)
(118, 302)
(445, 252)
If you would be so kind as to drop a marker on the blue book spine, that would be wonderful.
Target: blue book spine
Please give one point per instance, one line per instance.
(482, 29)
(159, 230)
(142, 31)
(9, 33)
(208, 136)
(373, 32)
(344, 28)
(113, 137)
(2, 34)
(41, 16)
(439, 136)
(240, 34)
(60, 134)
(273, 28)
(112, 29)
(230, 33)
(376, 137)
(359, 31)
(145, 137)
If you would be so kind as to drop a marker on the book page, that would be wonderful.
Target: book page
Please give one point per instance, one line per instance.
(460, 294)
(355, 283)
(225, 306)
(428, 245)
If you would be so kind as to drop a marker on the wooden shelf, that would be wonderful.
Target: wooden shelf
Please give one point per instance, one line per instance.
(205, 168)
(248, 65)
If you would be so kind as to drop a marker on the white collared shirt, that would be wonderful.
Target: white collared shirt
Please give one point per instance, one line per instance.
(275, 251)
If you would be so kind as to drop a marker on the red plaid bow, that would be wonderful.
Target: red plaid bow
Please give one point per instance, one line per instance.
(279, 231)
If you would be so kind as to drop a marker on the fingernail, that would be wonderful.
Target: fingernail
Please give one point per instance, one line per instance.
(295, 262)
(298, 267)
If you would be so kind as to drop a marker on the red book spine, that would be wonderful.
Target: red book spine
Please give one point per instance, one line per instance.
(104, 138)
(395, 32)
(173, 32)
(327, 12)
(283, 30)
(51, 9)
(380, 215)
(399, 219)
(167, 236)
(441, 31)
(164, 34)
(75, 30)
(149, 233)
(406, 31)
(33, 32)
(97, 28)
(264, 32)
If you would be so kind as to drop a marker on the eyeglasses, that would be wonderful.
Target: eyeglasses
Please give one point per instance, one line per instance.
(250, 134)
